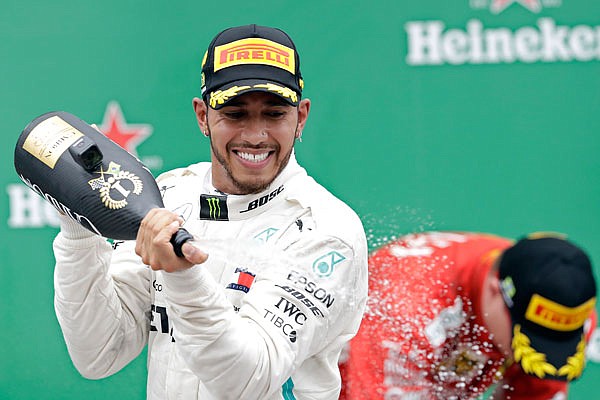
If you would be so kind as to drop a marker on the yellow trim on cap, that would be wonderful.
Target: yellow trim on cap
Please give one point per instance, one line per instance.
(575, 363)
(546, 234)
(531, 360)
(535, 363)
(221, 96)
(281, 90)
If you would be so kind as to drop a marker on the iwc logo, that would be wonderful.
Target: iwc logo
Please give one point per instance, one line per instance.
(116, 185)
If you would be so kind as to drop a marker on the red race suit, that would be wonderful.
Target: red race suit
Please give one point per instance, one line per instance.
(423, 337)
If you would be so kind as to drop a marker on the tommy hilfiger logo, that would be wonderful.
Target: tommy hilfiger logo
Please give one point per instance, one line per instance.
(244, 280)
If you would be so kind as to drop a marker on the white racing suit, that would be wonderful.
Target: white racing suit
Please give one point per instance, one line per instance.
(265, 317)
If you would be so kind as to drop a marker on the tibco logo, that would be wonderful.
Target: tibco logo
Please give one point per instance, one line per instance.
(287, 329)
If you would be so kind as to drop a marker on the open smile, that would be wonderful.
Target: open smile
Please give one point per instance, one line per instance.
(251, 157)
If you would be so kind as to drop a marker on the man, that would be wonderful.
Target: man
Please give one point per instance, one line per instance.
(456, 315)
(275, 283)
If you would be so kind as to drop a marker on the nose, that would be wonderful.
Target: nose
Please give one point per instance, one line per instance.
(255, 131)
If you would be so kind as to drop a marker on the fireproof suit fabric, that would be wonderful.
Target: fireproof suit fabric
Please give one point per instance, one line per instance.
(266, 317)
(422, 336)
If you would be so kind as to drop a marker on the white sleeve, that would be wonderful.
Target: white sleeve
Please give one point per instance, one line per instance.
(282, 322)
(104, 326)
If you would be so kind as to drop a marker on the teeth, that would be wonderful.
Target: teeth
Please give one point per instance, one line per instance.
(253, 157)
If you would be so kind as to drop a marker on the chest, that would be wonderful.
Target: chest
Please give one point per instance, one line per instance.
(448, 352)
(242, 249)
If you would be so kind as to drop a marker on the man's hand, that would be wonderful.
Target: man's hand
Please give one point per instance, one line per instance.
(154, 246)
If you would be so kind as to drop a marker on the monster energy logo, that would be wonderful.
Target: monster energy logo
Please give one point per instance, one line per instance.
(214, 208)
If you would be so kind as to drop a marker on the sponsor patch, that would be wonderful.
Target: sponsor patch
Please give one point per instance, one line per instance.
(244, 281)
(550, 314)
(264, 236)
(463, 364)
(310, 287)
(324, 265)
(214, 208)
(290, 309)
(261, 201)
(303, 300)
(288, 330)
(254, 51)
(508, 290)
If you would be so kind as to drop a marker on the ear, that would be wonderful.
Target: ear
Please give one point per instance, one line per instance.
(201, 112)
(494, 284)
(303, 110)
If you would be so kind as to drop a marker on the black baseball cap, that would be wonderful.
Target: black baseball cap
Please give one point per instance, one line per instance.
(251, 58)
(550, 290)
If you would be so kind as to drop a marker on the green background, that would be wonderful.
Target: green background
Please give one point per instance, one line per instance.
(502, 148)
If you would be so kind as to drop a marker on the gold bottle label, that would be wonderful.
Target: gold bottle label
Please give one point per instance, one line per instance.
(50, 139)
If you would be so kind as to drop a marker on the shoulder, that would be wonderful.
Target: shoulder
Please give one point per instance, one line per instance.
(418, 256)
(332, 216)
(434, 243)
(197, 170)
(181, 187)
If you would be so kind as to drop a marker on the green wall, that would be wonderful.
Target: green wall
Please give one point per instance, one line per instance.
(417, 121)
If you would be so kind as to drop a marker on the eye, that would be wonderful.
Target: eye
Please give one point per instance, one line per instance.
(234, 114)
(276, 114)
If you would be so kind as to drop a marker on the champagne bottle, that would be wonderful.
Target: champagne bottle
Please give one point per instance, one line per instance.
(88, 177)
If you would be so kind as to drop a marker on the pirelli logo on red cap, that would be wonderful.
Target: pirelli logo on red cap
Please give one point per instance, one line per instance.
(255, 51)
(550, 314)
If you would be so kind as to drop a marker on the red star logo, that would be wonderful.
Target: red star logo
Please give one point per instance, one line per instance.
(499, 5)
(128, 136)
